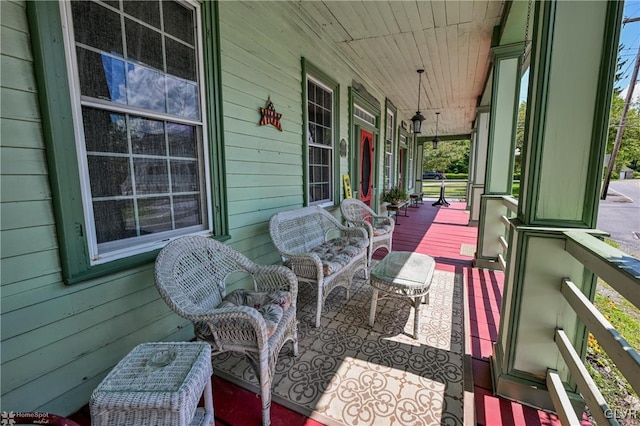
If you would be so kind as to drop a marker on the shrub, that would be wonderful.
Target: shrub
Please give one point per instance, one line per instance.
(456, 175)
(395, 194)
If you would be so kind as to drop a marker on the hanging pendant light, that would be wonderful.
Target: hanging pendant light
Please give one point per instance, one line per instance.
(436, 140)
(418, 118)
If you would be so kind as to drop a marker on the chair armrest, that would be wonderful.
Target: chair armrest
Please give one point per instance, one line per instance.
(306, 265)
(362, 224)
(275, 277)
(226, 320)
(385, 219)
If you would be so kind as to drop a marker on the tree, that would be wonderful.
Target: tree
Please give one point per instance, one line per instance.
(450, 157)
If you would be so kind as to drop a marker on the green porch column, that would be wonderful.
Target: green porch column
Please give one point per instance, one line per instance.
(479, 163)
(572, 68)
(472, 150)
(507, 64)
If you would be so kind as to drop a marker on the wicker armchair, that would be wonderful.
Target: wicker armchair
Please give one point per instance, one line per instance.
(379, 228)
(190, 274)
(319, 249)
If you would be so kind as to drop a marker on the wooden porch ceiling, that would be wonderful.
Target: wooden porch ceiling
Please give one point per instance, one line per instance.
(387, 41)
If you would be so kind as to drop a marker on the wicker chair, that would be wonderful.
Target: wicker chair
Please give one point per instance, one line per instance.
(191, 273)
(379, 228)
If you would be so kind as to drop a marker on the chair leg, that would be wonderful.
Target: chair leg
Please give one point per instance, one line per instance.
(265, 388)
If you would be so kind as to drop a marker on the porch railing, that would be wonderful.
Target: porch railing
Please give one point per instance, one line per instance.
(622, 273)
(511, 204)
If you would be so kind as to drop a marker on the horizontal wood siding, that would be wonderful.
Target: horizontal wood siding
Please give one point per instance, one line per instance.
(59, 341)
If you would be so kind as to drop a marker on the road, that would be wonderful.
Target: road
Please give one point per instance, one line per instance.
(619, 214)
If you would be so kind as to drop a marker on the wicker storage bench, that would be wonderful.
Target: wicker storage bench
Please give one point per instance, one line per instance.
(319, 249)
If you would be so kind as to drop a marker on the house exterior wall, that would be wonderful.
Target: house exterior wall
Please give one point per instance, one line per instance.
(59, 341)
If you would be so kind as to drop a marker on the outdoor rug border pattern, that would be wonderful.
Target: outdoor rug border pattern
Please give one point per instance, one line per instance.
(348, 373)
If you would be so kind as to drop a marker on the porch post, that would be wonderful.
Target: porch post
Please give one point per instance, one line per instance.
(479, 162)
(472, 165)
(507, 64)
(572, 68)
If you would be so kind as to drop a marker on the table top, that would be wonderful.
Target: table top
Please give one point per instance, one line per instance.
(158, 367)
(404, 269)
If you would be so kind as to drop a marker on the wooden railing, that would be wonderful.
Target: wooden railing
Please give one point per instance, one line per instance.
(622, 273)
(511, 204)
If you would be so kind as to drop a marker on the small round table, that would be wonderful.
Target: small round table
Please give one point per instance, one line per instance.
(404, 275)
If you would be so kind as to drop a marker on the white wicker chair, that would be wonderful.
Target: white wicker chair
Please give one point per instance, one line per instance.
(379, 228)
(190, 274)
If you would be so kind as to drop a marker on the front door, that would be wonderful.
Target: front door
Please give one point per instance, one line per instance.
(366, 166)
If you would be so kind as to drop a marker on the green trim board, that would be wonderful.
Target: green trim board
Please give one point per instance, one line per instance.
(555, 150)
(308, 68)
(45, 26)
(504, 104)
(355, 97)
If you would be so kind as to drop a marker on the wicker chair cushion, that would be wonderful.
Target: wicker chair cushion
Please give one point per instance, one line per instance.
(271, 305)
(335, 254)
(381, 228)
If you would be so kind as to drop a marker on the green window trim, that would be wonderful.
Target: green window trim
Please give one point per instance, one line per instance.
(309, 69)
(58, 131)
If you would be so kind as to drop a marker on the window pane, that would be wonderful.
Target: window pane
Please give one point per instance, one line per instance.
(115, 220)
(104, 131)
(184, 176)
(188, 211)
(182, 98)
(181, 60)
(109, 176)
(152, 176)
(101, 76)
(154, 215)
(147, 11)
(147, 136)
(178, 21)
(144, 44)
(182, 140)
(146, 88)
(97, 26)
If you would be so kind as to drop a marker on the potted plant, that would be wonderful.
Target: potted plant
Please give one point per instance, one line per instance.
(395, 195)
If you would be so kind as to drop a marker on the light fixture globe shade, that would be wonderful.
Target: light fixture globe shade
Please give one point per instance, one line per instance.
(417, 122)
(435, 141)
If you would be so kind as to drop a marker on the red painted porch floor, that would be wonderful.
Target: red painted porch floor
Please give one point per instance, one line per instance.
(439, 232)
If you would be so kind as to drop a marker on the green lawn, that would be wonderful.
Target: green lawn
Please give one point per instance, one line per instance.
(455, 189)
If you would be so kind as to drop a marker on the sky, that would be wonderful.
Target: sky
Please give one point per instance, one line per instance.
(630, 39)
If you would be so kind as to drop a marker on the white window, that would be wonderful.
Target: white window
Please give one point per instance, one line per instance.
(320, 139)
(410, 173)
(388, 150)
(136, 79)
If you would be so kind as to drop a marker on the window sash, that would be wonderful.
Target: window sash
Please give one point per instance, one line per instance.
(120, 248)
(320, 154)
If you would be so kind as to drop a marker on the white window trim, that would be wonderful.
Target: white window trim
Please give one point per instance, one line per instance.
(153, 242)
(330, 201)
(390, 128)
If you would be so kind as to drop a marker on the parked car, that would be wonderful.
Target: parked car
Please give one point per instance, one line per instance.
(433, 175)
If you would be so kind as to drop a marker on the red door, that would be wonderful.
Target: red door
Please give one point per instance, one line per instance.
(366, 166)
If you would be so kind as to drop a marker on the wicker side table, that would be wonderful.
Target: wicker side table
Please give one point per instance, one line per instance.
(156, 384)
(404, 275)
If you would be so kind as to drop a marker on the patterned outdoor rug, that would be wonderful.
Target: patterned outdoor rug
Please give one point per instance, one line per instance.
(348, 373)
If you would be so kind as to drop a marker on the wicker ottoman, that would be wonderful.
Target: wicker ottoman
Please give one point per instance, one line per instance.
(156, 384)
